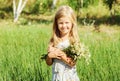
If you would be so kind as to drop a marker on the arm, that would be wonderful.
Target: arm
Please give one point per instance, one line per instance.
(49, 61)
(69, 61)
(62, 56)
(57, 53)
(52, 53)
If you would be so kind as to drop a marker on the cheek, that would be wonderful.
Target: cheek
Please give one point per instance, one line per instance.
(59, 27)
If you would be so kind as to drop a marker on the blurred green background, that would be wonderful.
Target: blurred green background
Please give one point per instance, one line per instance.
(22, 42)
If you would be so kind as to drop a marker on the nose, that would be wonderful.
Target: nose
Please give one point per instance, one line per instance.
(64, 24)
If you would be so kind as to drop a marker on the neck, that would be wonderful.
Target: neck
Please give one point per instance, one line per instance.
(65, 36)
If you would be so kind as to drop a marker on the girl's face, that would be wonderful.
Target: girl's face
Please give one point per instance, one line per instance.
(64, 25)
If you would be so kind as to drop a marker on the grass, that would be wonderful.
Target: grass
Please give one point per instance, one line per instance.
(22, 45)
(20, 49)
(104, 47)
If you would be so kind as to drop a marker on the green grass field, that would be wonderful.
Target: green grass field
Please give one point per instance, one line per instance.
(22, 45)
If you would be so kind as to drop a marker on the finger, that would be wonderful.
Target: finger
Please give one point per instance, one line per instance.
(59, 54)
(51, 49)
(58, 57)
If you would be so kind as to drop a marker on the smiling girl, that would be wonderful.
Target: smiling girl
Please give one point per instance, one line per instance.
(64, 34)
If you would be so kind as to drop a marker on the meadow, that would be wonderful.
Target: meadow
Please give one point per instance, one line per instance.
(22, 45)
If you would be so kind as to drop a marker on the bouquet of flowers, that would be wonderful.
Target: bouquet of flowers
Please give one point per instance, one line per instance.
(77, 51)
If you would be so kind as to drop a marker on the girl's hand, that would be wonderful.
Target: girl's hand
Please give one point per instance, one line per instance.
(67, 60)
(57, 53)
(50, 49)
(54, 53)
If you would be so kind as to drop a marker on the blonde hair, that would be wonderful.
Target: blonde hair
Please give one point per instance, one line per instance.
(64, 11)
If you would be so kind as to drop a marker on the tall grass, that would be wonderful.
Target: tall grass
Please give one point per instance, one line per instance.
(21, 47)
(104, 65)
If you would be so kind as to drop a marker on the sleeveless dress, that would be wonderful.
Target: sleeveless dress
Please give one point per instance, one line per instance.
(60, 70)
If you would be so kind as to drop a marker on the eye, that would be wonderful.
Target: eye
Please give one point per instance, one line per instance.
(60, 22)
(67, 22)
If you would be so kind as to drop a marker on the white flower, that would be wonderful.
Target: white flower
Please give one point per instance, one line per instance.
(77, 51)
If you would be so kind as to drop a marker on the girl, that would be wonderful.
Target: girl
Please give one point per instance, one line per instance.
(64, 34)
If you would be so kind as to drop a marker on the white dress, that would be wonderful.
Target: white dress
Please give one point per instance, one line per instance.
(60, 70)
